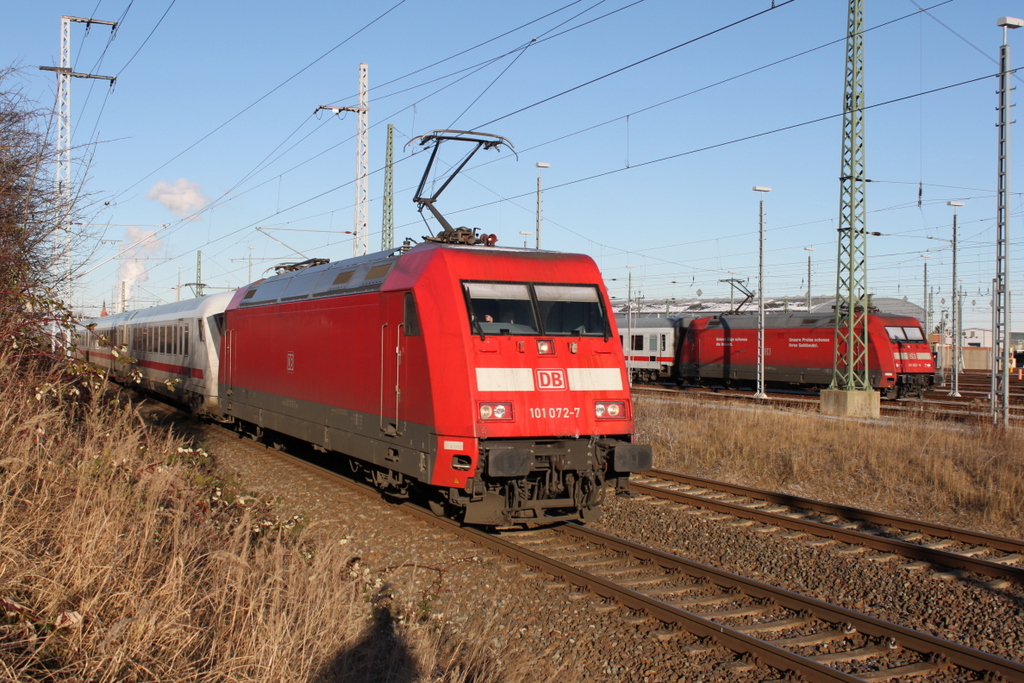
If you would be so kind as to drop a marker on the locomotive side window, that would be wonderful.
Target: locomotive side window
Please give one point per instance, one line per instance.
(500, 308)
(571, 310)
(412, 317)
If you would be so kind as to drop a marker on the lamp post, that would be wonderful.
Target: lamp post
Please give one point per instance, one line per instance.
(809, 250)
(760, 293)
(540, 165)
(955, 323)
(926, 304)
(525, 234)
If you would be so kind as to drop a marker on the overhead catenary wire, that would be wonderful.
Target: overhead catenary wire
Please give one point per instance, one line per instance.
(262, 97)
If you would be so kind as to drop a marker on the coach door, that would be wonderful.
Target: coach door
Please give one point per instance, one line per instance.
(227, 363)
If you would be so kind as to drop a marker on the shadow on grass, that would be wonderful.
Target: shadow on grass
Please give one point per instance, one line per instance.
(379, 656)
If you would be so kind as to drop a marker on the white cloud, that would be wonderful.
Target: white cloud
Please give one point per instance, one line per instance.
(182, 198)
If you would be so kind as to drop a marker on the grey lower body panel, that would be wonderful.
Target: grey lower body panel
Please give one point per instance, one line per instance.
(410, 450)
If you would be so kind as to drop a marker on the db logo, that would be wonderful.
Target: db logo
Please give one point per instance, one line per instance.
(551, 380)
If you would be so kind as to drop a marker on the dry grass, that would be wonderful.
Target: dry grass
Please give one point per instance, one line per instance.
(122, 560)
(963, 476)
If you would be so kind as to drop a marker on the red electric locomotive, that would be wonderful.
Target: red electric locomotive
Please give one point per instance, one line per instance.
(799, 348)
(494, 376)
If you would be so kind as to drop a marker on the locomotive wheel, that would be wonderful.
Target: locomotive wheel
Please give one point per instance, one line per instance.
(436, 505)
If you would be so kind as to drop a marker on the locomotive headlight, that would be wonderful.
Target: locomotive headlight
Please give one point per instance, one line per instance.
(495, 411)
(609, 410)
(545, 347)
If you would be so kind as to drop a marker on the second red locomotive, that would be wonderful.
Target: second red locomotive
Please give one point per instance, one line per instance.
(799, 351)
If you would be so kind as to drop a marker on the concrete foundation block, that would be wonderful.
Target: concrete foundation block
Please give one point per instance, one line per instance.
(842, 403)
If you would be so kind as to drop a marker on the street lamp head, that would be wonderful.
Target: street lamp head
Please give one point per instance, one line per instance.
(760, 188)
(543, 164)
(809, 249)
(954, 204)
(1010, 22)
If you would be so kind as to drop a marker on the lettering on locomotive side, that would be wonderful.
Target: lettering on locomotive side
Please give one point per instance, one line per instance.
(730, 341)
(291, 362)
(807, 342)
(551, 380)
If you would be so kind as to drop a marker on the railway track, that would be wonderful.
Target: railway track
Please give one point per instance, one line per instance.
(770, 626)
(998, 558)
(972, 408)
(781, 629)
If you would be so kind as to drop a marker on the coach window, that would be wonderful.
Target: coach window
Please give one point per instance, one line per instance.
(664, 344)
(184, 347)
(653, 341)
(571, 310)
(500, 308)
(638, 343)
(412, 316)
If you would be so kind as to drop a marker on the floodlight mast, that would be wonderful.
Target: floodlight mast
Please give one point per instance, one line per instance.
(436, 137)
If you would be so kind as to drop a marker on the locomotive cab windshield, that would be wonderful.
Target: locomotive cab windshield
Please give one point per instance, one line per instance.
(905, 334)
(535, 309)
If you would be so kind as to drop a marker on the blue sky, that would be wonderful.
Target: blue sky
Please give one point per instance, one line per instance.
(211, 131)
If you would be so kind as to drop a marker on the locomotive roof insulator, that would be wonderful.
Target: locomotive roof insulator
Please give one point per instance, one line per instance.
(449, 234)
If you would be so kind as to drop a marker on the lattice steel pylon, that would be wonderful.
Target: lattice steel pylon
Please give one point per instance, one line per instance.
(850, 366)
(360, 245)
(360, 229)
(62, 176)
(387, 232)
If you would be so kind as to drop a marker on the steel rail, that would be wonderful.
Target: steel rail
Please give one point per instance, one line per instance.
(1003, 543)
(904, 548)
(922, 643)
